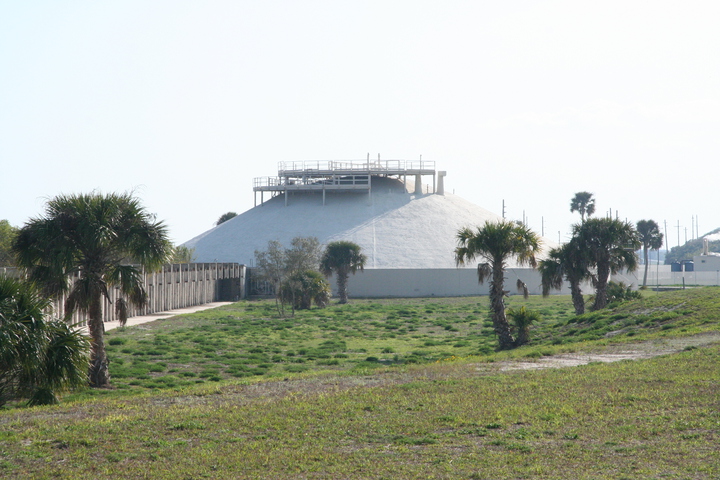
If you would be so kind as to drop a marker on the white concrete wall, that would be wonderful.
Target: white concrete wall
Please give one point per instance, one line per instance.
(663, 275)
(440, 282)
(458, 282)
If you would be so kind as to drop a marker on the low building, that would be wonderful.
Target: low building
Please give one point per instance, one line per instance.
(708, 261)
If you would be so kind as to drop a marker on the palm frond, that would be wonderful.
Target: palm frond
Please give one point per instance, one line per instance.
(121, 311)
(523, 288)
(484, 272)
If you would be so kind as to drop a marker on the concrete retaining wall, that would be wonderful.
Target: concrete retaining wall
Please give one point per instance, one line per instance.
(441, 282)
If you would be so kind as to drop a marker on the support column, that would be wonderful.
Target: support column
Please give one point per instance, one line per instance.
(418, 184)
(441, 183)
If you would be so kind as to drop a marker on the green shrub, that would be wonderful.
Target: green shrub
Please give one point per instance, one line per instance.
(302, 289)
(619, 292)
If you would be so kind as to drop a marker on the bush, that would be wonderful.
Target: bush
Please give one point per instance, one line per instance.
(522, 319)
(619, 292)
(38, 356)
(303, 289)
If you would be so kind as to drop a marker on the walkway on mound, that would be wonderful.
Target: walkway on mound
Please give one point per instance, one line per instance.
(162, 315)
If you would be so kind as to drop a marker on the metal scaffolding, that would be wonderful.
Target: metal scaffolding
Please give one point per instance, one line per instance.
(339, 176)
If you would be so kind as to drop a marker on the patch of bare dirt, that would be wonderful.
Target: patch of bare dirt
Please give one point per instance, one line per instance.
(637, 351)
(648, 311)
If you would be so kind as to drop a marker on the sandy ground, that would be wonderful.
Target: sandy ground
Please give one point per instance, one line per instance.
(636, 351)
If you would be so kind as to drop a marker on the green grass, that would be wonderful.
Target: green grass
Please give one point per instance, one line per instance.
(237, 392)
(249, 339)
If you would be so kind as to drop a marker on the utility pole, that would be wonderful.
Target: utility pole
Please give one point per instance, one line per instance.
(667, 240)
(503, 210)
(678, 229)
(692, 227)
(542, 226)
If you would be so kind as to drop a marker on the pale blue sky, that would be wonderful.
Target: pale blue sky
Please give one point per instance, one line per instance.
(526, 101)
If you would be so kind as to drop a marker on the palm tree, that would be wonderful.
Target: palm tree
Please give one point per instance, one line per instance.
(182, 254)
(38, 356)
(569, 263)
(302, 289)
(610, 245)
(343, 258)
(583, 203)
(496, 243)
(95, 238)
(522, 319)
(650, 238)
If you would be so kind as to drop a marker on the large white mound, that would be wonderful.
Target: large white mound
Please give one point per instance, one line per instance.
(395, 229)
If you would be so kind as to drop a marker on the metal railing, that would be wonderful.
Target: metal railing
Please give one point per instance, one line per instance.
(309, 166)
(268, 182)
(328, 181)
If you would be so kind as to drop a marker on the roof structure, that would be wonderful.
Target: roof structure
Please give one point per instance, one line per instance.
(340, 176)
(395, 227)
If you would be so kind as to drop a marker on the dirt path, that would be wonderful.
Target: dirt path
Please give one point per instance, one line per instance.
(616, 353)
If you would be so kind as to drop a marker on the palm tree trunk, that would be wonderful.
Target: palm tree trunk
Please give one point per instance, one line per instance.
(603, 275)
(99, 372)
(645, 257)
(342, 282)
(497, 304)
(577, 298)
(523, 337)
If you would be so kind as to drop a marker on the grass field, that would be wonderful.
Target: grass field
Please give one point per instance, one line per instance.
(407, 388)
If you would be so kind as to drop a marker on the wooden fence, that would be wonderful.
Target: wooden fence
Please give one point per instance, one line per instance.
(175, 286)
